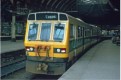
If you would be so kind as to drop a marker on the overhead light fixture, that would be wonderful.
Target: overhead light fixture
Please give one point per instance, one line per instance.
(71, 11)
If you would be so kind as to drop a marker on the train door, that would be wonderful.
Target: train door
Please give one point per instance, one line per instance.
(79, 40)
(75, 39)
(45, 38)
(72, 41)
(91, 35)
(83, 33)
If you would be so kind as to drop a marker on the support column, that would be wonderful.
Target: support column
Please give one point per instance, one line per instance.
(13, 29)
(13, 26)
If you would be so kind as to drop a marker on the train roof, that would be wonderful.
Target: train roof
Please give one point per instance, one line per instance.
(48, 12)
(57, 13)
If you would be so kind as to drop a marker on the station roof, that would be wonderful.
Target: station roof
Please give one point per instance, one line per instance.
(99, 12)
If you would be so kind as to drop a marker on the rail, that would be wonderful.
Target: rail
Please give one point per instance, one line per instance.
(11, 62)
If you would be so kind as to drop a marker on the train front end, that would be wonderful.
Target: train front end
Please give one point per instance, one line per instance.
(46, 43)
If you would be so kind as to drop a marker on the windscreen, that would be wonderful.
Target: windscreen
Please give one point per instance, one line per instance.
(59, 32)
(45, 31)
(33, 28)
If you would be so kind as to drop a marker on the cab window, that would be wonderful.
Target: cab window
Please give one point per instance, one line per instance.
(45, 31)
(33, 28)
(59, 32)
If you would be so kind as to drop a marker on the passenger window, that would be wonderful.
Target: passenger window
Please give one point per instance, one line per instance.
(82, 31)
(85, 33)
(79, 31)
(93, 32)
(72, 31)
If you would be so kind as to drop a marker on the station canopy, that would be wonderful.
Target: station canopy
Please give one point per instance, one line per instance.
(100, 12)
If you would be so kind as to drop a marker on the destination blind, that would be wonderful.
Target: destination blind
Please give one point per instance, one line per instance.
(47, 16)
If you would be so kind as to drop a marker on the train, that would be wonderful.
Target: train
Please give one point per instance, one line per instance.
(54, 40)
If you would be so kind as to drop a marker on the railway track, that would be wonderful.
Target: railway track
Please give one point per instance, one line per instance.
(13, 67)
(12, 61)
(23, 75)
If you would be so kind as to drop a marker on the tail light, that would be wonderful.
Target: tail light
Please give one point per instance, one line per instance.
(59, 50)
(63, 50)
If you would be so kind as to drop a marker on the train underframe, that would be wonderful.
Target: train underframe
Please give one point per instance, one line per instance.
(48, 66)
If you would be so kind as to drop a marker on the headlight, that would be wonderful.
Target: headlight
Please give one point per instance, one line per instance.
(31, 49)
(58, 50)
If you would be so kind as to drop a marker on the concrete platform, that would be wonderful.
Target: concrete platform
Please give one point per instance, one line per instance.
(6, 38)
(102, 62)
(8, 46)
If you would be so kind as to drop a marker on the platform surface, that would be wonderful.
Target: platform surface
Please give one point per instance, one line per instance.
(102, 62)
(8, 46)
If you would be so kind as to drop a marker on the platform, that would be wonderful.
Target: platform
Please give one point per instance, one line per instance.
(102, 62)
(8, 46)
(6, 38)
